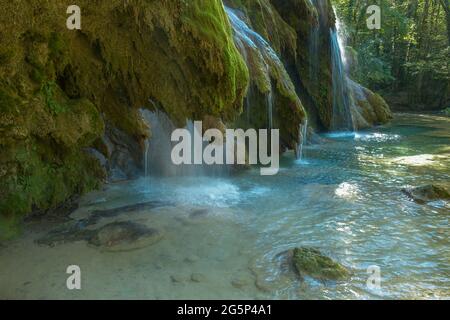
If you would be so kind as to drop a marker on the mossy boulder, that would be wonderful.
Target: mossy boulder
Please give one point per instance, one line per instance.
(311, 262)
(368, 108)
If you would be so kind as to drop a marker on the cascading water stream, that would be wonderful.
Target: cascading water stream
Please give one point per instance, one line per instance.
(342, 117)
(158, 150)
(146, 151)
(302, 131)
(247, 39)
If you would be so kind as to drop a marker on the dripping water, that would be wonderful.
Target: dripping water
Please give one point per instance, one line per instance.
(146, 150)
(158, 149)
(303, 131)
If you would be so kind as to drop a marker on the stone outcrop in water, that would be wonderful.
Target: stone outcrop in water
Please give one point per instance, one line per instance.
(428, 193)
(311, 262)
(368, 108)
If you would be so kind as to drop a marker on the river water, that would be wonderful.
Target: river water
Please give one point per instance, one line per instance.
(344, 198)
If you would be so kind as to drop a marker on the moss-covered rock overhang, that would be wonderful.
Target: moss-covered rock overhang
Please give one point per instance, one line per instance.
(59, 87)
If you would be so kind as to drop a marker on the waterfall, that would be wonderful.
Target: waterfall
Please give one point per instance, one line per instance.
(248, 40)
(342, 117)
(159, 146)
(302, 131)
(341, 38)
(158, 149)
(146, 151)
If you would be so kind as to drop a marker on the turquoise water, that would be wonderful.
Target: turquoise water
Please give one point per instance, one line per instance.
(344, 198)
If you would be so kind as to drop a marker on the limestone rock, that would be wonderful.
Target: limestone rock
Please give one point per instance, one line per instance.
(311, 262)
(428, 193)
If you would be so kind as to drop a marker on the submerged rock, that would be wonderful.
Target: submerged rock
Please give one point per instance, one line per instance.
(428, 193)
(65, 234)
(198, 277)
(96, 215)
(177, 279)
(116, 236)
(311, 262)
(199, 213)
(239, 282)
(124, 236)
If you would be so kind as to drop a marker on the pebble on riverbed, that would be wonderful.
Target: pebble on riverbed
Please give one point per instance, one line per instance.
(239, 283)
(198, 277)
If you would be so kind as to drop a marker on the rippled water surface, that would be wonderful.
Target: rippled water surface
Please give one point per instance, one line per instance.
(344, 198)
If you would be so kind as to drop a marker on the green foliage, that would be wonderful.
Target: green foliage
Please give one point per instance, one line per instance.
(409, 53)
(447, 111)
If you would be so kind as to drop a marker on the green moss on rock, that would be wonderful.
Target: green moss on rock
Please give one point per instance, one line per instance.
(311, 262)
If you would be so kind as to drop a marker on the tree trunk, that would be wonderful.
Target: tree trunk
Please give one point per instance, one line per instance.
(446, 5)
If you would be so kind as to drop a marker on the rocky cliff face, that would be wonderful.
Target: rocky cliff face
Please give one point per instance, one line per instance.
(70, 100)
(299, 31)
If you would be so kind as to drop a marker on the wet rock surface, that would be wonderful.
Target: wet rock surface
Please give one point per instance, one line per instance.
(427, 193)
(306, 261)
(124, 236)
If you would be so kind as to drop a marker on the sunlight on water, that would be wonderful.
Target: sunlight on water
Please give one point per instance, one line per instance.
(377, 137)
(225, 237)
(419, 160)
(347, 190)
(340, 135)
(215, 192)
